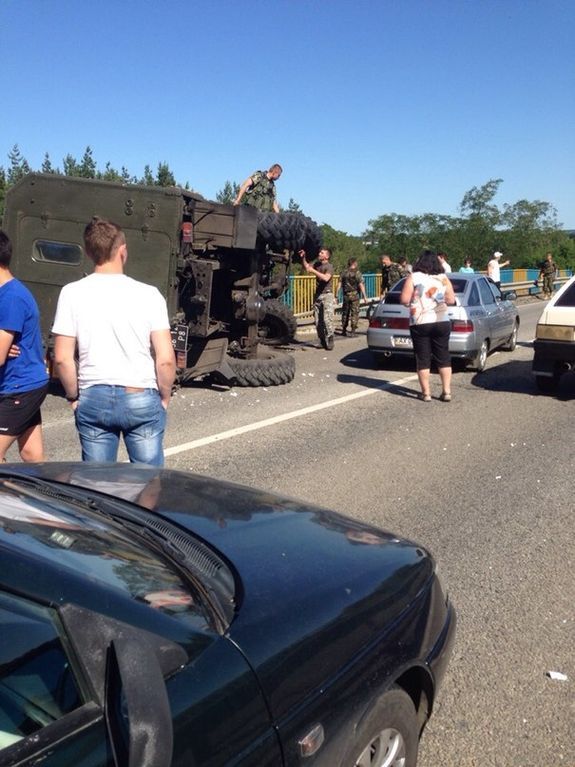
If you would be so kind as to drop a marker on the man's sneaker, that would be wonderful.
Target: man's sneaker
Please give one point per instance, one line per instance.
(343, 332)
(329, 343)
(352, 334)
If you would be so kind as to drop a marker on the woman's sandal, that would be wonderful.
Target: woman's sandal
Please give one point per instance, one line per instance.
(424, 397)
(445, 396)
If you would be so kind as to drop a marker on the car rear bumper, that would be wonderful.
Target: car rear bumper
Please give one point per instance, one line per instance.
(550, 355)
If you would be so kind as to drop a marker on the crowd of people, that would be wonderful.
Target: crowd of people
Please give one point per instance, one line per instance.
(117, 367)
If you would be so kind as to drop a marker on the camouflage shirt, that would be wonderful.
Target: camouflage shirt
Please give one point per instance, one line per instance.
(262, 192)
(350, 280)
(548, 267)
(390, 275)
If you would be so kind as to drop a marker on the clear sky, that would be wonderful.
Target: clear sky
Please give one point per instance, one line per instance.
(370, 106)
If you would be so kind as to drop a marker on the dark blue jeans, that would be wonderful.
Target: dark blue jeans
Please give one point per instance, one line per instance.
(104, 413)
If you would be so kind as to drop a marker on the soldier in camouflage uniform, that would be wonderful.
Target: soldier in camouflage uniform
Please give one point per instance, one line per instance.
(547, 274)
(352, 284)
(390, 274)
(324, 300)
(259, 190)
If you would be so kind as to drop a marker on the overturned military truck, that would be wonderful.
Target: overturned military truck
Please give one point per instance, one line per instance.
(222, 269)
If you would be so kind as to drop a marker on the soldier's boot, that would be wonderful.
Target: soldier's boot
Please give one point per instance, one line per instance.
(329, 344)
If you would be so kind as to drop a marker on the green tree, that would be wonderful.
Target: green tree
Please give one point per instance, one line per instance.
(109, 174)
(47, 165)
(87, 167)
(18, 165)
(293, 206)
(70, 166)
(229, 193)
(3, 188)
(148, 177)
(480, 221)
(343, 247)
(164, 176)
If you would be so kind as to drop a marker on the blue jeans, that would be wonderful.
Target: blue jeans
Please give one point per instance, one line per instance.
(106, 412)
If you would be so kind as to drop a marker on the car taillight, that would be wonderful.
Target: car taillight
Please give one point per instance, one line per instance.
(461, 326)
(375, 322)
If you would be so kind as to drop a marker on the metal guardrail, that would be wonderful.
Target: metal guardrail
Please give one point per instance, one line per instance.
(299, 295)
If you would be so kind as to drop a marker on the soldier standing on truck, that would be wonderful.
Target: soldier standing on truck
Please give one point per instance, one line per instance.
(259, 190)
(352, 284)
(126, 362)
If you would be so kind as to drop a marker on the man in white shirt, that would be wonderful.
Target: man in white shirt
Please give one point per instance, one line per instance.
(494, 267)
(118, 386)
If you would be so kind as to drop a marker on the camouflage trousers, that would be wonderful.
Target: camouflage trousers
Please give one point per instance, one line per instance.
(350, 311)
(323, 315)
(548, 280)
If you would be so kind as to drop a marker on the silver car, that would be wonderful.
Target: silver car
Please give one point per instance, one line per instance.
(483, 319)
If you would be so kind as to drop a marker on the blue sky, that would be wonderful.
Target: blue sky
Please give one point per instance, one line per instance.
(371, 107)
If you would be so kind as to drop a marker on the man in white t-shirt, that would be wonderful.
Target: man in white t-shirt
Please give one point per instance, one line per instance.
(494, 266)
(122, 383)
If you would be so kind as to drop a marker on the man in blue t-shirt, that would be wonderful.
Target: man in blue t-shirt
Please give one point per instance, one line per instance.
(23, 377)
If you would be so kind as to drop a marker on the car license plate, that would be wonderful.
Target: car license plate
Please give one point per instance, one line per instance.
(403, 341)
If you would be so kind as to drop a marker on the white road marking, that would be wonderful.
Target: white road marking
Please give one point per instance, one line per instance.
(280, 418)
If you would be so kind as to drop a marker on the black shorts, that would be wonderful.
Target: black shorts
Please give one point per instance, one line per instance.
(20, 412)
(431, 341)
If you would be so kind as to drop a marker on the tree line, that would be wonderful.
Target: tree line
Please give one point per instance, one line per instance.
(523, 231)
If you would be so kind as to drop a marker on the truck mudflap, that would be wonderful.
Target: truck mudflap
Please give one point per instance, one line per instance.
(204, 355)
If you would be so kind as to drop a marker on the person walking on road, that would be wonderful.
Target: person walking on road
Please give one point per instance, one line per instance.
(126, 364)
(352, 286)
(547, 273)
(324, 300)
(259, 190)
(428, 292)
(23, 376)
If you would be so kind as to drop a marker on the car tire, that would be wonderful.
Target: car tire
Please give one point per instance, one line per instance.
(480, 359)
(511, 344)
(279, 325)
(546, 384)
(270, 369)
(389, 734)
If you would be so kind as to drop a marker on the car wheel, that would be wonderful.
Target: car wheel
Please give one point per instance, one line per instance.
(546, 384)
(481, 357)
(389, 735)
(511, 344)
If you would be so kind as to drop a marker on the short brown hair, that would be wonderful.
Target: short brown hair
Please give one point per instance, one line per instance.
(276, 166)
(101, 238)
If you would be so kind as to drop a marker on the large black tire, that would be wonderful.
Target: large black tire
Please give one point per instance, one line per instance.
(289, 231)
(271, 369)
(389, 734)
(279, 325)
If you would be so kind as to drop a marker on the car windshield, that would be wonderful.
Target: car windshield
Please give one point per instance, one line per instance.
(568, 297)
(54, 531)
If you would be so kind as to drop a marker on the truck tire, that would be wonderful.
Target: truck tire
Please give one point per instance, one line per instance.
(279, 325)
(289, 231)
(271, 369)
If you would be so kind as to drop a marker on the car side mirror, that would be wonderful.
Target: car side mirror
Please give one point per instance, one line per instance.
(509, 295)
(137, 709)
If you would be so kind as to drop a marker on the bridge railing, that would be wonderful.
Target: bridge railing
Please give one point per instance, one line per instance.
(301, 288)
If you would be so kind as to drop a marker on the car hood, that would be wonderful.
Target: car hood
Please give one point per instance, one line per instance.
(312, 587)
